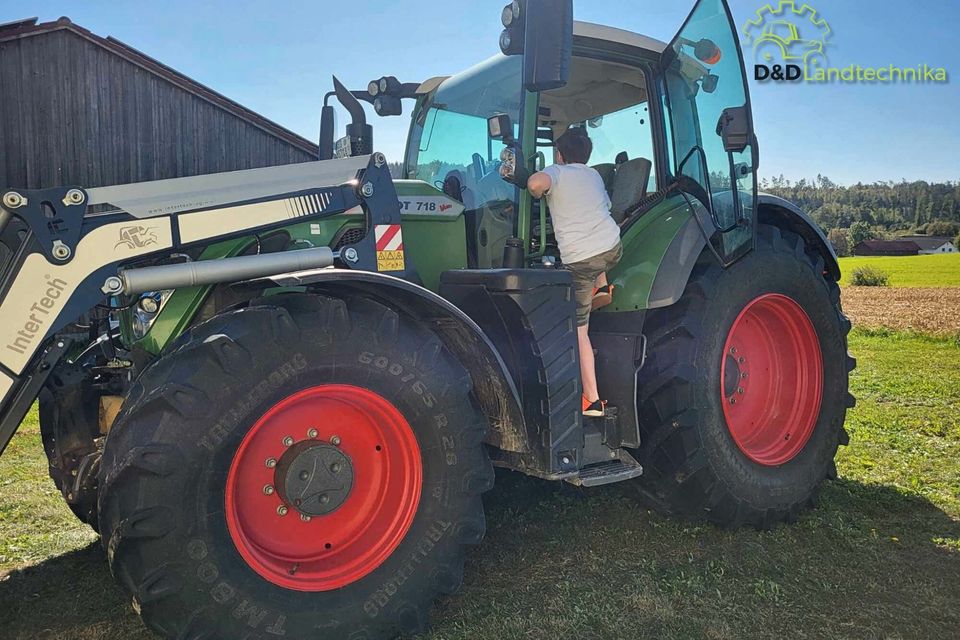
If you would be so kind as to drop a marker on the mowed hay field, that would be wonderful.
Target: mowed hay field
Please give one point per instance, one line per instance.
(878, 558)
(923, 296)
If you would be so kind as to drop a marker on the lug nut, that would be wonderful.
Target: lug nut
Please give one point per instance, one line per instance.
(743, 375)
(335, 441)
(288, 441)
(741, 359)
(271, 463)
(312, 433)
(733, 349)
(282, 510)
(733, 400)
(267, 490)
(740, 390)
(305, 517)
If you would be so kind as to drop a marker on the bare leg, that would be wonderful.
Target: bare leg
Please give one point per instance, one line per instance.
(588, 373)
(601, 281)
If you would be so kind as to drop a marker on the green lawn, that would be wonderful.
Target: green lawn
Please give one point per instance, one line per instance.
(880, 557)
(910, 271)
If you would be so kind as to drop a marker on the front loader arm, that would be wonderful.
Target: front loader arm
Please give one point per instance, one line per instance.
(68, 260)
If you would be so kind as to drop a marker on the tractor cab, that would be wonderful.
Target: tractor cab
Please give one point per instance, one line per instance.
(659, 116)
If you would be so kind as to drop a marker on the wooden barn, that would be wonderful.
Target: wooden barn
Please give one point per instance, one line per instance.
(86, 110)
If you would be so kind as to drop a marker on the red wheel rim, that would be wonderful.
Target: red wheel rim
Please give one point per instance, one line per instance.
(771, 378)
(323, 552)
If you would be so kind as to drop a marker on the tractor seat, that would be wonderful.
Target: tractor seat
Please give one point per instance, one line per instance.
(629, 186)
(607, 171)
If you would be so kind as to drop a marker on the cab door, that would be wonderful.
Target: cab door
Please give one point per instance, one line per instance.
(710, 126)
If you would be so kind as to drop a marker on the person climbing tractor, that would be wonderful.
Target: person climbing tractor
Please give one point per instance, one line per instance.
(587, 236)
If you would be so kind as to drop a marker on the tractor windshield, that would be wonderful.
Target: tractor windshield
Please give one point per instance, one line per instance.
(449, 144)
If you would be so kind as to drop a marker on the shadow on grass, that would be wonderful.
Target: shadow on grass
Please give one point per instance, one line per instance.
(72, 596)
(564, 562)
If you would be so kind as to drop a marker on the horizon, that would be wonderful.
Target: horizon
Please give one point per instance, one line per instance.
(278, 64)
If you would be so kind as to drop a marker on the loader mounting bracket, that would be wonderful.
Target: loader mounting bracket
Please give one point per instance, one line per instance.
(55, 216)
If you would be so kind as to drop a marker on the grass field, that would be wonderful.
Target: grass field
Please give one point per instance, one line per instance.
(910, 271)
(880, 557)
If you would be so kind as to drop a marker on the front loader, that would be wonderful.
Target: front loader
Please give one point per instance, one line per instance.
(279, 394)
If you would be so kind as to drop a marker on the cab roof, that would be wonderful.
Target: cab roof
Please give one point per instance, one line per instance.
(620, 36)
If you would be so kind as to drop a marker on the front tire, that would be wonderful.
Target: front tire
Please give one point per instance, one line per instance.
(744, 394)
(305, 465)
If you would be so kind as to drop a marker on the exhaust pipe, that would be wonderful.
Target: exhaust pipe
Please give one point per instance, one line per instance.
(191, 274)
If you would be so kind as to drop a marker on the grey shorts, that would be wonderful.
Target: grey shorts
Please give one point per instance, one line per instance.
(585, 275)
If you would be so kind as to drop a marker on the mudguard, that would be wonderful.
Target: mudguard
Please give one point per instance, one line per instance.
(493, 387)
(688, 243)
(781, 213)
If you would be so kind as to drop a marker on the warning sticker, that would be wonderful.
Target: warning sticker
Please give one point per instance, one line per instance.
(389, 239)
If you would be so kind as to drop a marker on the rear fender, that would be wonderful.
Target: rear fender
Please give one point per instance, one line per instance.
(492, 385)
(785, 215)
(658, 260)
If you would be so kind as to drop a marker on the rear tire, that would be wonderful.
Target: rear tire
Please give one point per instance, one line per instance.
(702, 455)
(192, 530)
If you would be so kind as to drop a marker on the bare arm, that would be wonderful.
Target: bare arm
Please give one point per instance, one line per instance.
(538, 184)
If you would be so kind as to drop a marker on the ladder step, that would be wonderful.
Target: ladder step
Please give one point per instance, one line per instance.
(606, 473)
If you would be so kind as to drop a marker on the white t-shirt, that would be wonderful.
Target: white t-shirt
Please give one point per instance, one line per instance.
(580, 208)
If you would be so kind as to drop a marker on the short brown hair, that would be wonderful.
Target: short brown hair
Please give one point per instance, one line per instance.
(575, 146)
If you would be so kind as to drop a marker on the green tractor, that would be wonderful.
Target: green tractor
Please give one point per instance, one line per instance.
(279, 394)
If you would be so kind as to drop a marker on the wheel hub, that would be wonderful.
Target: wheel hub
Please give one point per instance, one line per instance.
(315, 478)
(323, 487)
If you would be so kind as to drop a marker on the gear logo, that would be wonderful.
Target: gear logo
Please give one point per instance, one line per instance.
(795, 35)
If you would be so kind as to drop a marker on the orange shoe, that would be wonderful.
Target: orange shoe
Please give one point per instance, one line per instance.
(593, 409)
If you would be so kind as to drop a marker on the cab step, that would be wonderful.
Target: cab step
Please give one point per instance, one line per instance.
(607, 473)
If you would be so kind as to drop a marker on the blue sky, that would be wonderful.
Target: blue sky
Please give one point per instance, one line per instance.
(276, 58)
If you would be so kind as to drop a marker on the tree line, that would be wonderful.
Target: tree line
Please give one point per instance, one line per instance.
(879, 210)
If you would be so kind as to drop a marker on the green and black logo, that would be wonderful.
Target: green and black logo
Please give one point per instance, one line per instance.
(790, 43)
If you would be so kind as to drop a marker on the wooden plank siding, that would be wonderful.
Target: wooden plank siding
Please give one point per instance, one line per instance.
(73, 112)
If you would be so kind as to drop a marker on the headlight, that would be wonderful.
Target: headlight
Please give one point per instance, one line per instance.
(146, 310)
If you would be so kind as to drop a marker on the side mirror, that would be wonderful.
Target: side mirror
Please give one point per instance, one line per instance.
(547, 44)
(734, 128)
(499, 127)
(709, 82)
(542, 30)
(327, 127)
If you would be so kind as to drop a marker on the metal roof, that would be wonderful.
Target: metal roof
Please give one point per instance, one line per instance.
(30, 27)
(928, 243)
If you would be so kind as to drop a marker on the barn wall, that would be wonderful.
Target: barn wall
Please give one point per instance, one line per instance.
(72, 112)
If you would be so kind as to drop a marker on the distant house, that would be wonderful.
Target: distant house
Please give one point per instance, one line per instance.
(933, 244)
(886, 248)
